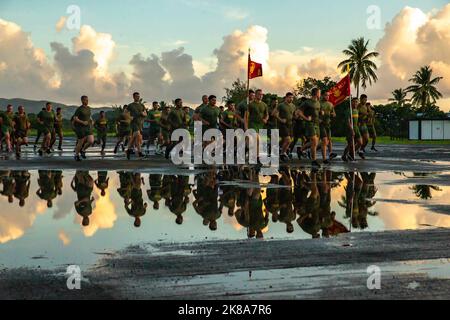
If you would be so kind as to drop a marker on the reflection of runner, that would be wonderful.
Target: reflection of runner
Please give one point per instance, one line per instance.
(47, 190)
(287, 213)
(22, 188)
(206, 204)
(180, 197)
(83, 185)
(102, 182)
(309, 221)
(136, 207)
(8, 185)
(154, 194)
(272, 201)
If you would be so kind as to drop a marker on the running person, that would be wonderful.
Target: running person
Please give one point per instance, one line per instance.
(363, 122)
(256, 115)
(123, 128)
(83, 129)
(6, 128)
(101, 125)
(326, 113)
(311, 114)
(21, 127)
(154, 118)
(138, 114)
(286, 112)
(58, 132)
(354, 140)
(371, 126)
(176, 120)
(46, 120)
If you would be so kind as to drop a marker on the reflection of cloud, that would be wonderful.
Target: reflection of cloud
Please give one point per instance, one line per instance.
(103, 216)
(65, 239)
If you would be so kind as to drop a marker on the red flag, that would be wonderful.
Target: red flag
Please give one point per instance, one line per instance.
(341, 91)
(255, 69)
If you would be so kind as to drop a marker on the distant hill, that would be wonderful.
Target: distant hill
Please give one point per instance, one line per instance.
(32, 106)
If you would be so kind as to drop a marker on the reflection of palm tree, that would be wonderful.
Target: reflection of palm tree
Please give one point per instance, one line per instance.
(424, 191)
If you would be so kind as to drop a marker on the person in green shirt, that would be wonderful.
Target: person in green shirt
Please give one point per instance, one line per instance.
(101, 125)
(229, 118)
(198, 110)
(58, 132)
(123, 128)
(210, 114)
(354, 140)
(83, 185)
(243, 105)
(326, 113)
(102, 182)
(46, 120)
(363, 123)
(83, 128)
(310, 112)
(257, 113)
(154, 118)
(138, 115)
(165, 126)
(299, 129)
(176, 120)
(286, 112)
(136, 207)
(21, 128)
(371, 125)
(6, 124)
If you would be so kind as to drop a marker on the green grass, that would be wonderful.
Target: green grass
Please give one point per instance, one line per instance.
(387, 140)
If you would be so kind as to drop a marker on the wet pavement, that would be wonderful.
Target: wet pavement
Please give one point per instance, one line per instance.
(99, 213)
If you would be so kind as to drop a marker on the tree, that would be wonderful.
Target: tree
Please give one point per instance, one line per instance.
(399, 97)
(359, 59)
(237, 92)
(424, 88)
(304, 87)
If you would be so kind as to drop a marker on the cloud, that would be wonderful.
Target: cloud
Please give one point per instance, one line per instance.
(413, 39)
(60, 25)
(235, 14)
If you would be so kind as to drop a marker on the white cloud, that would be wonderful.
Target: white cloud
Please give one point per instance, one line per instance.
(60, 25)
(235, 14)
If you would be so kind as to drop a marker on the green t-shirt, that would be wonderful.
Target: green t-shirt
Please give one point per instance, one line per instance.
(58, 120)
(229, 117)
(155, 117)
(200, 107)
(101, 125)
(21, 122)
(7, 121)
(311, 108)
(48, 118)
(355, 115)
(257, 112)
(286, 111)
(327, 108)
(210, 114)
(83, 113)
(136, 109)
(124, 121)
(176, 119)
(272, 123)
(363, 114)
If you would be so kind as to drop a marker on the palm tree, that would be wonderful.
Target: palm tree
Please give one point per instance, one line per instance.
(424, 89)
(359, 59)
(399, 97)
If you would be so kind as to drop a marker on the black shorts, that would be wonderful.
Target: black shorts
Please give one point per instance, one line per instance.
(285, 131)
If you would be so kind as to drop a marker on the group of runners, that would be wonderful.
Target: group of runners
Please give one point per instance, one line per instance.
(306, 121)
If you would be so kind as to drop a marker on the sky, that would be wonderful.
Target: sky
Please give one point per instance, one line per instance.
(171, 48)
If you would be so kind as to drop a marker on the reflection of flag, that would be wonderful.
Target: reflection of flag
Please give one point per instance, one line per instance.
(341, 91)
(255, 69)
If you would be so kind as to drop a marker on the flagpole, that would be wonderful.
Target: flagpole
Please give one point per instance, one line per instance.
(351, 112)
(248, 77)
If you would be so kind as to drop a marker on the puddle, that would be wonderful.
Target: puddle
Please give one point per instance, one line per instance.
(55, 218)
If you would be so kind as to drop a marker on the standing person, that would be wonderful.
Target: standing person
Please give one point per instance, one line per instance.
(101, 125)
(326, 113)
(58, 129)
(363, 121)
(228, 120)
(46, 120)
(83, 129)
(154, 118)
(354, 140)
(123, 128)
(286, 114)
(311, 113)
(371, 126)
(6, 128)
(138, 114)
(210, 114)
(256, 115)
(21, 127)
(176, 120)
